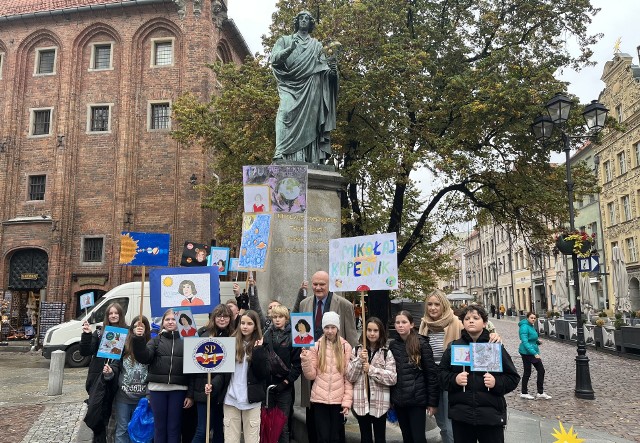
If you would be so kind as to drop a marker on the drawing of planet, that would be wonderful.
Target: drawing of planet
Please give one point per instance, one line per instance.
(289, 188)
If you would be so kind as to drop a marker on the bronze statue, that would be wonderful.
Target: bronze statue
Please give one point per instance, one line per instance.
(308, 88)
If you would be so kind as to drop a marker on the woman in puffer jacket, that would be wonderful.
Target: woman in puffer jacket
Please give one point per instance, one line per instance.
(168, 386)
(331, 394)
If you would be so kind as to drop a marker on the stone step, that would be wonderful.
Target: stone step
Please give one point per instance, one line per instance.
(15, 346)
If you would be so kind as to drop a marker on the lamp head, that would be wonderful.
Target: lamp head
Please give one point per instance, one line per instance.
(558, 108)
(595, 115)
(542, 127)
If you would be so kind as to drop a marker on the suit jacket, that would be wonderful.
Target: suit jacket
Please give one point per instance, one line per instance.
(344, 309)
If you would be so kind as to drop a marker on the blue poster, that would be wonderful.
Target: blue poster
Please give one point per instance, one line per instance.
(144, 249)
(254, 244)
(112, 342)
(196, 288)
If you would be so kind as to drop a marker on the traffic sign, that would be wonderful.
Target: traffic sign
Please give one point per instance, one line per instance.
(595, 263)
(589, 264)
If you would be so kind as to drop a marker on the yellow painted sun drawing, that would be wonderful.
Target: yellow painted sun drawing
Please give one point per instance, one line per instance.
(564, 436)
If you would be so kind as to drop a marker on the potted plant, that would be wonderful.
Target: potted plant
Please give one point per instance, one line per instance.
(575, 242)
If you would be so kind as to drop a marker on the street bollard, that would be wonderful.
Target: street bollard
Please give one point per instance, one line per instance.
(56, 373)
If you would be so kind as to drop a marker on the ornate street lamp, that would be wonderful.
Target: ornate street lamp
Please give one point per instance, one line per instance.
(594, 115)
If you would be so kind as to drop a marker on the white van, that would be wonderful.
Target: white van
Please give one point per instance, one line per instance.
(66, 336)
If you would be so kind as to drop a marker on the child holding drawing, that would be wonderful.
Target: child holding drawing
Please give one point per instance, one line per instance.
(371, 397)
(326, 365)
(477, 408)
(417, 386)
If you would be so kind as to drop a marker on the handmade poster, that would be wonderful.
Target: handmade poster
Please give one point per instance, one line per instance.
(365, 263)
(486, 357)
(256, 229)
(287, 184)
(219, 258)
(257, 198)
(460, 355)
(209, 354)
(86, 300)
(186, 323)
(233, 265)
(197, 288)
(144, 249)
(302, 329)
(194, 254)
(112, 342)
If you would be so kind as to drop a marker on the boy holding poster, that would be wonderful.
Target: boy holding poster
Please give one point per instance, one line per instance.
(477, 408)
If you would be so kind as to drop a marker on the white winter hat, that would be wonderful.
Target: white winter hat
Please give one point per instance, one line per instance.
(331, 318)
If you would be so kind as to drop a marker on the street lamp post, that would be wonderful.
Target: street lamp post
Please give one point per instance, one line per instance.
(595, 115)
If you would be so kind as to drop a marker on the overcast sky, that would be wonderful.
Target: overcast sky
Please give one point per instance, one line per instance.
(618, 18)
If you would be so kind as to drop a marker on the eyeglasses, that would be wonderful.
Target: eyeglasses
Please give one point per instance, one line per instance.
(222, 316)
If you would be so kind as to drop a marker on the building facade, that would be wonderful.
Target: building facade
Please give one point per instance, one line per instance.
(86, 151)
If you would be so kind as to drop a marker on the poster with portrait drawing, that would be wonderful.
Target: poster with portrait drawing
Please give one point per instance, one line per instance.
(186, 323)
(460, 355)
(194, 254)
(219, 258)
(233, 266)
(196, 288)
(257, 198)
(486, 357)
(302, 329)
(112, 342)
(287, 184)
(86, 300)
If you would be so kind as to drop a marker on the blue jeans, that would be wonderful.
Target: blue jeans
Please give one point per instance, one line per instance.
(124, 411)
(442, 418)
(167, 415)
(215, 425)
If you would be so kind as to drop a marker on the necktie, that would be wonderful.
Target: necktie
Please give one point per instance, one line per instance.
(318, 324)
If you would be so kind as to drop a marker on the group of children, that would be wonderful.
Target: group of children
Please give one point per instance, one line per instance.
(370, 380)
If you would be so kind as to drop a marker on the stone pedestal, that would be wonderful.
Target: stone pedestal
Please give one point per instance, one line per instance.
(284, 271)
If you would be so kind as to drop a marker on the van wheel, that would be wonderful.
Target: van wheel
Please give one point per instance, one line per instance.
(74, 359)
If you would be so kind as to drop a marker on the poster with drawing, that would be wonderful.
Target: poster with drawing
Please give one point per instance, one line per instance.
(460, 355)
(287, 186)
(112, 342)
(254, 245)
(486, 357)
(257, 198)
(186, 323)
(144, 249)
(302, 329)
(233, 266)
(194, 254)
(196, 288)
(219, 258)
(86, 300)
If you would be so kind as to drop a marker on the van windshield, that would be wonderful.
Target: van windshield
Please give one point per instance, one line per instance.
(82, 313)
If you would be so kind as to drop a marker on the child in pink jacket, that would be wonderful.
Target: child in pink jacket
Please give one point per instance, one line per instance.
(331, 393)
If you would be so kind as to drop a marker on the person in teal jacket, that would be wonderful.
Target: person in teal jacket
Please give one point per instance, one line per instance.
(530, 353)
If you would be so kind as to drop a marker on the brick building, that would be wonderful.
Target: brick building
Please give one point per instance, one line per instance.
(86, 88)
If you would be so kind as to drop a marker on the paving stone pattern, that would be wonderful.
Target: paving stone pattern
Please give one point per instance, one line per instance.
(57, 423)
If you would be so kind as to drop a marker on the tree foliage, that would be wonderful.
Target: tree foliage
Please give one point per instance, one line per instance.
(449, 87)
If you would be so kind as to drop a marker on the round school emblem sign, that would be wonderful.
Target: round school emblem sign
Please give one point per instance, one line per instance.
(209, 355)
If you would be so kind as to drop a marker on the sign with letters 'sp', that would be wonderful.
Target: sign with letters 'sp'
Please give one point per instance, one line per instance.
(363, 263)
(209, 354)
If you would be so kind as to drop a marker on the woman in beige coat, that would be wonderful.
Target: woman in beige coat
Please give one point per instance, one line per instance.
(331, 394)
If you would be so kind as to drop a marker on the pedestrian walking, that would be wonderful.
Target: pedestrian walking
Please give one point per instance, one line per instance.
(493, 310)
(168, 386)
(477, 406)
(332, 393)
(530, 353)
(416, 389)
(372, 370)
(248, 384)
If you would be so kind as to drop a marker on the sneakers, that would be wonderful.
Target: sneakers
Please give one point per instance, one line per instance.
(543, 396)
(528, 396)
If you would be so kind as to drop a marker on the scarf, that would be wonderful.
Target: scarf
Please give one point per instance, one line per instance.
(448, 323)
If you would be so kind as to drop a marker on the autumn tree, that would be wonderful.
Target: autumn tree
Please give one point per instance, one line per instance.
(448, 87)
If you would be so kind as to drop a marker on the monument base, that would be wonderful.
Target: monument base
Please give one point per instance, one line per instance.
(285, 265)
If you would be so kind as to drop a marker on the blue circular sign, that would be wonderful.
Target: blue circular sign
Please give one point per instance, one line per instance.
(209, 355)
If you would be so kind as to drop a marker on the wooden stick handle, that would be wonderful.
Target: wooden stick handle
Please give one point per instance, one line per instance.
(142, 293)
(208, 409)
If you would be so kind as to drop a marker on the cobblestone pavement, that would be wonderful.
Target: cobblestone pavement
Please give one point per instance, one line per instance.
(615, 381)
(28, 413)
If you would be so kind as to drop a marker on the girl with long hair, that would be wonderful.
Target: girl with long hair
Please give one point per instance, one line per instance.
(332, 393)
(132, 382)
(371, 398)
(417, 387)
(169, 388)
(89, 344)
(248, 384)
(530, 354)
(219, 326)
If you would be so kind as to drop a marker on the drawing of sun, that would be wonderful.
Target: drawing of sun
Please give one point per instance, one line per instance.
(167, 281)
(128, 248)
(564, 436)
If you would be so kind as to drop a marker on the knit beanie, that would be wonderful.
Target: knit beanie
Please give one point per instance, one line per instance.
(331, 318)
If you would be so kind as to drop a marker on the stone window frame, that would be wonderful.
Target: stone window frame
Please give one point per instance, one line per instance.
(627, 211)
(36, 67)
(2, 55)
(632, 251)
(622, 162)
(154, 54)
(150, 104)
(636, 150)
(83, 241)
(29, 184)
(92, 62)
(608, 172)
(90, 107)
(32, 116)
(611, 209)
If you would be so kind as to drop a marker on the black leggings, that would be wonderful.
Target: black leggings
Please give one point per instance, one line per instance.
(527, 361)
(329, 422)
(467, 433)
(366, 422)
(412, 421)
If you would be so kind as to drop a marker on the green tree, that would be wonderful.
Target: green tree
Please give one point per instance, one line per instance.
(448, 87)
